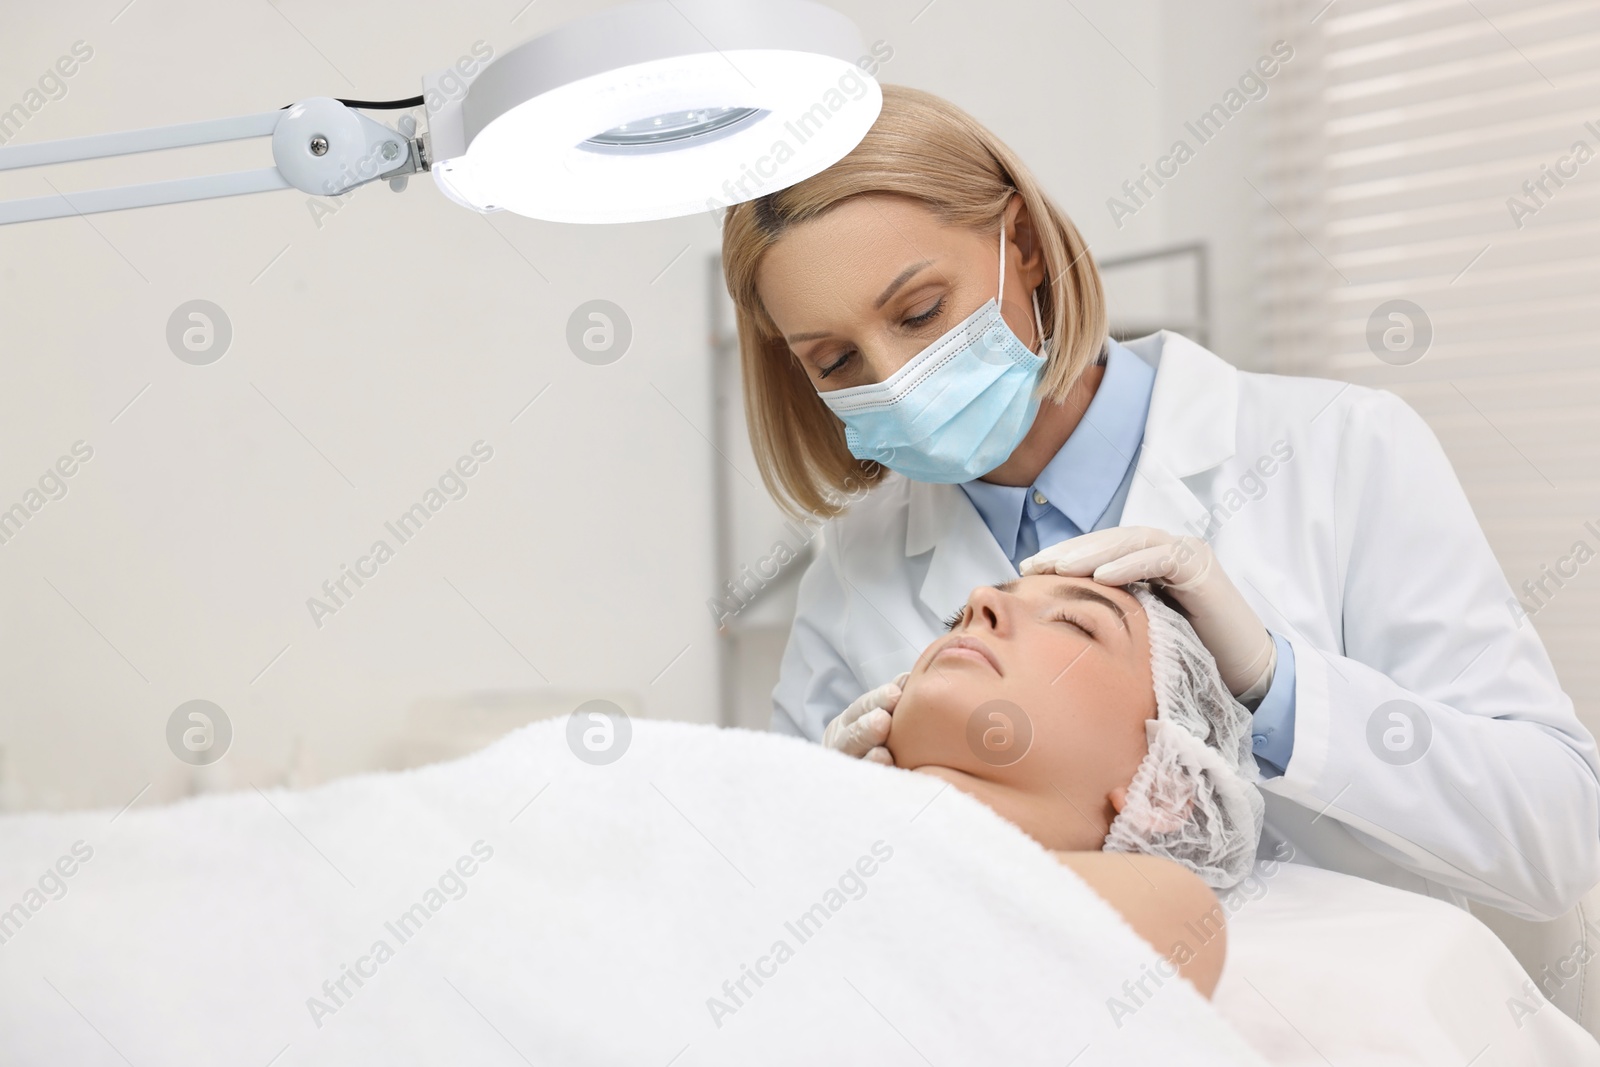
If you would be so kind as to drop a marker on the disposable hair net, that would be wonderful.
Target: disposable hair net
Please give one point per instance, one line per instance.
(1193, 799)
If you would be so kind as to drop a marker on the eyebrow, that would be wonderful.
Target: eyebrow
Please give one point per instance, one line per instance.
(894, 286)
(1068, 591)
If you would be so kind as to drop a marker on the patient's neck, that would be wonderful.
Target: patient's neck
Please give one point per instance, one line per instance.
(1050, 818)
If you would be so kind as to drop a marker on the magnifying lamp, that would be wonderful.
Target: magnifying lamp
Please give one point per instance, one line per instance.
(644, 111)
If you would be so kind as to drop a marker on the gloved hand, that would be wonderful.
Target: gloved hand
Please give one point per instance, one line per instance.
(862, 728)
(1225, 623)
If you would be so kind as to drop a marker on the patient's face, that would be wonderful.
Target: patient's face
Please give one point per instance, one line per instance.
(1066, 660)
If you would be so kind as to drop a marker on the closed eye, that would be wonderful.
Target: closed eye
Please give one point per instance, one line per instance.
(836, 364)
(1075, 620)
(927, 316)
(955, 619)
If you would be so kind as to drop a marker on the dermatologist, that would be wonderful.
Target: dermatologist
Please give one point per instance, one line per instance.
(921, 316)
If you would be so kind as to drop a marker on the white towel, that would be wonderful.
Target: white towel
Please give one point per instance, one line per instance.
(565, 913)
(1326, 968)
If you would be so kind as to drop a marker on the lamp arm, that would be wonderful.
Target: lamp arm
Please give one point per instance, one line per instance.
(319, 145)
(128, 142)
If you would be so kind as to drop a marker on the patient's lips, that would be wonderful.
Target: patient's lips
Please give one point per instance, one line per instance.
(962, 646)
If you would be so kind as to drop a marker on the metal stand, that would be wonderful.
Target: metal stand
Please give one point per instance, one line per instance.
(319, 145)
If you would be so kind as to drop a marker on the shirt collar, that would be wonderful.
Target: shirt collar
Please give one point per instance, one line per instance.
(1085, 474)
(1001, 509)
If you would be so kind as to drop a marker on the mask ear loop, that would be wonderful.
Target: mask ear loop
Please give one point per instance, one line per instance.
(1000, 298)
(1038, 323)
(999, 301)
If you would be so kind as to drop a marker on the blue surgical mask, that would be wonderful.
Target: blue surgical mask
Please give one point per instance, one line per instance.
(958, 409)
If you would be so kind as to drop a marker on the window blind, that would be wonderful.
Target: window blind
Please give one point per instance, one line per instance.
(1446, 154)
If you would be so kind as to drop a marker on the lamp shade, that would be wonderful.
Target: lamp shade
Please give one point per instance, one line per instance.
(655, 109)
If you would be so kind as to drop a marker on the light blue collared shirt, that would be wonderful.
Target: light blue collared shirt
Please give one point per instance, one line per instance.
(1272, 726)
(1085, 486)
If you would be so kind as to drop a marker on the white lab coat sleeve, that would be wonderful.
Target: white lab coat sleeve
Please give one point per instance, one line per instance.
(1486, 782)
(815, 683)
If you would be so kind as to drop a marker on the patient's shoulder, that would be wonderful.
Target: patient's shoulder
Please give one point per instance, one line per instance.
(1166, 903)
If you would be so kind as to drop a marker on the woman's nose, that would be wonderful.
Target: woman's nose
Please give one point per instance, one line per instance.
(988, 609)
(880, 356)
(880, 360)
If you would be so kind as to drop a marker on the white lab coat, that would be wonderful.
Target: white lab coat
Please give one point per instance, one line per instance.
(1362, 551)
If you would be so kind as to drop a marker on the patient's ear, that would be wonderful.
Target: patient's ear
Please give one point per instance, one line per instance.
(1118, 797)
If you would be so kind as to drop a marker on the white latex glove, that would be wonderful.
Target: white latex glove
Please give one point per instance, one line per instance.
(862, 728)
(1225, 623)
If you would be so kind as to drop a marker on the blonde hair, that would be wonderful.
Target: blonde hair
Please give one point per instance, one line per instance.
(927, 149)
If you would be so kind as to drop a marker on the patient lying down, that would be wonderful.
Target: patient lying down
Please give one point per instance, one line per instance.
(1092, 717)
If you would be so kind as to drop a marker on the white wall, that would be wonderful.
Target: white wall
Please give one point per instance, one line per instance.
(392, 337)
(368, 354)
(1205, 48)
